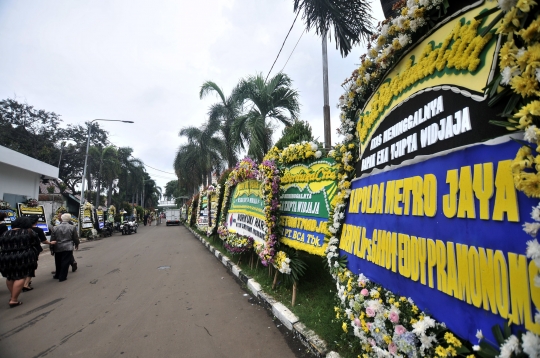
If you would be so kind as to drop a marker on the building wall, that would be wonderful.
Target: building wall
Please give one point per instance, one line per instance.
(18, 181)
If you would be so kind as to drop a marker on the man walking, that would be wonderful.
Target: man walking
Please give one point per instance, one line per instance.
(66, 238)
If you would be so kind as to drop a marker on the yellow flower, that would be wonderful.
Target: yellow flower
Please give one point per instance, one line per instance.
(531, 32)
(525, 5)
(344, 327)
(440, 351)
(529, 183)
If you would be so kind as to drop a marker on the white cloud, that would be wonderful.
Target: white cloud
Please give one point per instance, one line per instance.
(145, 61)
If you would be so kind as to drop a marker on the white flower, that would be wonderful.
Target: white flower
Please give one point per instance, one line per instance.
(427, 341)
(538, 74)
(421, 326)
(410, 3)
(507, 5)
(336, 264)
(479, 335)
(318, 154)
(537, 315)
(508, 73)
(414, 25)
(403, 40)
(313, 146)
(476, 348)
(520, 53)
(531, 228)
(384, 30)
(531, 344)
(509, 346)
(530, 136)
(332, 230)
(533, 249)
(424, 2)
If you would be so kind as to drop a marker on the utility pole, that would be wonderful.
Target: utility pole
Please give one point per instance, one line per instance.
(326, 107)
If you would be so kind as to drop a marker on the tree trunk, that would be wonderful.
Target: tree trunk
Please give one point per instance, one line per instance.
(109, 195)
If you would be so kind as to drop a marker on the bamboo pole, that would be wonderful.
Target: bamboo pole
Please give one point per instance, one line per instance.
(275, 280)
(294, 293)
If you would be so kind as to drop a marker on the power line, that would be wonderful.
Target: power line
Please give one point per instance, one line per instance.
(159, 170)
(283, 44)
(302, 34)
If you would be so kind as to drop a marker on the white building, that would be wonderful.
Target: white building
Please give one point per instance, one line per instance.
(20, 176)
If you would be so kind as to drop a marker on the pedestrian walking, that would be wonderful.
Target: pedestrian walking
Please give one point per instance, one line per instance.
(67, 239)
(145, 221)
(43, 240)
(18, 257)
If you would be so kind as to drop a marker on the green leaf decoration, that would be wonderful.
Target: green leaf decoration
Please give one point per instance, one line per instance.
(497, 333)
(492, 24)
(486, 13)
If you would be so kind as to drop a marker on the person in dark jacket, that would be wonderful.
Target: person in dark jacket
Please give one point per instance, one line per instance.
(67, 239)
(43, 240)
(18, 256)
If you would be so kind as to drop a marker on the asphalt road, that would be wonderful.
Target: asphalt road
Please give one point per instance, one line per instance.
(157, 293)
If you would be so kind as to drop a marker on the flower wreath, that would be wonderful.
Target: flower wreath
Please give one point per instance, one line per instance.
(212, 192)
(244, 170)
(385, 324)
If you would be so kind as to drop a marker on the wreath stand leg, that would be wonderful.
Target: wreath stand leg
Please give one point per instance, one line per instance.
(275, 280)
(251, 261)
(239, 259)
(294, 293)
(269, 270)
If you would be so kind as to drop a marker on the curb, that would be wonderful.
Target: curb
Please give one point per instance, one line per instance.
(306, 336)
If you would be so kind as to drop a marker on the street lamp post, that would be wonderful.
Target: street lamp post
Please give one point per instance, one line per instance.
(86, 161)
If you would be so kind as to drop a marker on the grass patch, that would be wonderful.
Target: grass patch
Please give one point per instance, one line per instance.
(314, 299)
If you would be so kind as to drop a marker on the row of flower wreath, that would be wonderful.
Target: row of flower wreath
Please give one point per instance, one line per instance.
(388, 325)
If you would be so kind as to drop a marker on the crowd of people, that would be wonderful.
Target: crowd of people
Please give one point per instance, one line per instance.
(20, 248)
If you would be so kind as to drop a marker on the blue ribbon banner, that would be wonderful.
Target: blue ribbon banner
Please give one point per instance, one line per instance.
(448, 232)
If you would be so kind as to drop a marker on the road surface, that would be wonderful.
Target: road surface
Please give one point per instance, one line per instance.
(157, 293)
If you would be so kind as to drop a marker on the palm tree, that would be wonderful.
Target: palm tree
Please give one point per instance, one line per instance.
(224, 113)
(107, 164)
(272, 100)
(204, 147)
(351, 22)
(130, 176)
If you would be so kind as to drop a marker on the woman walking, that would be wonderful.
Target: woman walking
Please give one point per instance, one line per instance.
(18, 257)
(43, 240)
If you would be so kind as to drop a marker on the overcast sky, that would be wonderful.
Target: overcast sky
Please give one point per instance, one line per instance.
(145, 61)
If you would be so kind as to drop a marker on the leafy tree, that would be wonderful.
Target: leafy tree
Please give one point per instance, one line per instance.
(299, 131)
(30, 131)
(268, 101)
(225, 113)
(72, 163)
